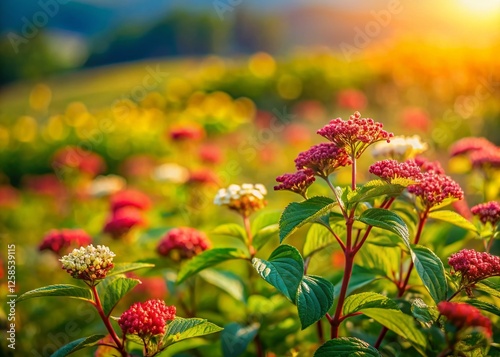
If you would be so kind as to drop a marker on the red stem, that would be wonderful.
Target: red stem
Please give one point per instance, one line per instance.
(353, 172)
(402, 285)
(107, 323)
(248, 230)
(349, 254)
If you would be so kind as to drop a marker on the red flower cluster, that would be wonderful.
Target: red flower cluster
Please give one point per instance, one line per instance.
(356, 134)
(391, 169)
(486, 157)
(129, 198)
(467, 145)
(182, 243)
(323, 159)
(487, 212)
(203, 177)
(210, 154)
(61, 240)
(474, 266)
(77, 158)
(482, 152)
(187, 132)
(146, 319)
(351, 99)
(427, 165)
(297, 182)
(127, 208)
(433, 189)
(122, 220)
(463, 315)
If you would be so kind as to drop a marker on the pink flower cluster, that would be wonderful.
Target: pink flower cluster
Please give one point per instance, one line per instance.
(487, 212)
(427, 165)
(183, 242)
(323, 159)
(129, 198)
(127, 209)
(297, 182)
(433, 189)
(474, 266)
(60, 241)
(467, 145)
(482, 152)
(146, 319)
(356, 134)
(391, 169)
(76, 158)
(463, 315)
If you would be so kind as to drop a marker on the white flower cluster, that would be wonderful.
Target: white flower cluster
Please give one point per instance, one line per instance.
(235, 192)
(88, 263)
(106, 185)
(171, 172)
(400, 147)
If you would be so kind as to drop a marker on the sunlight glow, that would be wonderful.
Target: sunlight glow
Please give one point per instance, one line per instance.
(481, 6)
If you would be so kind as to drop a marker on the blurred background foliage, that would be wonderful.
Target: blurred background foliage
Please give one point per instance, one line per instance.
(256, 79)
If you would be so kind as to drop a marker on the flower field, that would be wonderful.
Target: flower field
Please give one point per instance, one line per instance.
(304, 205)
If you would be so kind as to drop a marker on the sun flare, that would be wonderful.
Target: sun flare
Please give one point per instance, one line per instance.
(481, 6)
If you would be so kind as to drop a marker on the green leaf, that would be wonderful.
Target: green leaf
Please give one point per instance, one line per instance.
(235, 338)
(265, 235)
(358, 302)
(77, 345)
(121, 268)
(180, 328)
(387, 220)
(374, 189)
(115, 291)
(422, 312)
(431, 270)
(283, 270)
(453, 218)
(227, 281)
(491, 286)
(346, 347)
(360, 277)
(296, 214)
(401, 324)
(265, 219)
(318, 237)
(485, 306)
(314, 299)
(66, 290)
(232, 230)
(207, 259)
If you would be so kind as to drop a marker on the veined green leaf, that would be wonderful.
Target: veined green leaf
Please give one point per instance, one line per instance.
(401, 324)
(297, 214)
(453, 218)
(423, 313)
(265, 235)
(346, 347)
(66, 290)
(314, 299)
(431, 270)
(232, 230)
(207, 259)
(227, 281)
(77, 345)
(265, 219)
(374, 189)
(485, 306)
(283, 270)
(121, 268)
(180, 328)
(367, 300)
(318, 237)
(235, 338)
(115, 291)
(387, 220)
